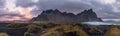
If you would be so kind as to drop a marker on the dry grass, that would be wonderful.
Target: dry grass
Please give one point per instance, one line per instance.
(3, 34)
(62, 29)
(113, 31)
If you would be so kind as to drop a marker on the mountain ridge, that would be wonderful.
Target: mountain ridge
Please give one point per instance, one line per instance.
(56, 16)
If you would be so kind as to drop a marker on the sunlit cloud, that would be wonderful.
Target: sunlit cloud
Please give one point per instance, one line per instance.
(10, 7)
(26, 12)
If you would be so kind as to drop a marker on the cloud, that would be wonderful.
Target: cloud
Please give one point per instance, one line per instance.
(1, 3)
(105, 9)
(10, 11)
(25, 3)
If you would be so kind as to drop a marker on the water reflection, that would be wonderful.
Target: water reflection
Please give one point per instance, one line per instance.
(101, 23)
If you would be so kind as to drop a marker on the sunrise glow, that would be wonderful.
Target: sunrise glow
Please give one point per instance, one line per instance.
(11, 7)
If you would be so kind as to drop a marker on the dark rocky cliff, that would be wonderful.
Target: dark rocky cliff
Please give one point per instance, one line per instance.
(56, 16)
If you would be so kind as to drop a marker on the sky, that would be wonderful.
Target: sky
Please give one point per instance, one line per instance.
(11, 10)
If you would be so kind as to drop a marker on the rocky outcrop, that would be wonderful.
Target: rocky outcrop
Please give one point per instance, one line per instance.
(88, 15)
(56, 16)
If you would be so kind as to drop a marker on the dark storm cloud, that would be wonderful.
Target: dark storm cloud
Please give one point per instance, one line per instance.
(62, 4)
(24, 3)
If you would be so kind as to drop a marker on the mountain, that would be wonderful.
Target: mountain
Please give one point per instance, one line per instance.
(56, 16)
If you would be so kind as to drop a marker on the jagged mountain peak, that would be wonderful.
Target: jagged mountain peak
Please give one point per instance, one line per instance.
(89, 11)
(56, 10)
(49, 11)
(57, 16)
